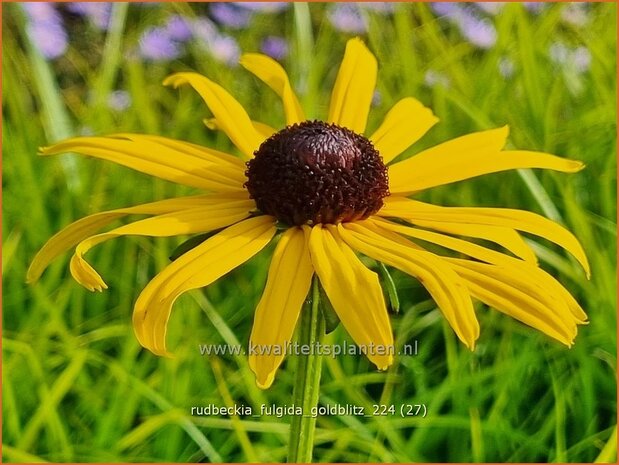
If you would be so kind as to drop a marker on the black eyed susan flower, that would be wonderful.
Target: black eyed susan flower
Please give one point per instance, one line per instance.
(338, 194)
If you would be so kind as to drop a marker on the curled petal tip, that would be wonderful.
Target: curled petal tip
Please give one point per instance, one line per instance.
(31, 278)
(160, 352)
(470, 344)
(94, 287)
(266, 383)
(173, 80)
(382, 366)
(90, 281)
(210, 123)
(572, 166)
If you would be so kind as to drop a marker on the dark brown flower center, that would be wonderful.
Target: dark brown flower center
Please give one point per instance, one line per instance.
(314, 172)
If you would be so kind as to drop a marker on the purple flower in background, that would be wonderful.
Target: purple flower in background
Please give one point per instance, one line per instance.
(449, 9)
(346, 17)
(119, 100)
(98, 13)
(478, 31)
(222, 47)
(275, 47)
(558, 53)
(203, 30)
(506, 67)
(85, 131)
(39, 12)
(157, 45)
(576, 60)
(49, 38)
(178, 28)
(534, 7)
(45, 29)
(230, 15)
(576, 14)
(581, 59)
(225, 49)
(435, 79)
(492, 8)
(377, 98)
(378, 7)
(263, 7)
(350, 17)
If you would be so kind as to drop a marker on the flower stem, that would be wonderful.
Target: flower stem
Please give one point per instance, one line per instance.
(307, 384)
(304, 80)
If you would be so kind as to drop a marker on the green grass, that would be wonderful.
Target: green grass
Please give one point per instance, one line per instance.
(76, 385)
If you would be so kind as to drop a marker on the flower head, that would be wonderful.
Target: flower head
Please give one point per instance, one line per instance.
(328, 191)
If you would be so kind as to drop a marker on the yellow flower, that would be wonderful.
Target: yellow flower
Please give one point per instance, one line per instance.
(338, 193)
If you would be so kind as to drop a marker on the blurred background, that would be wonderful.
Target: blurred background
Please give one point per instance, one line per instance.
(77, 387)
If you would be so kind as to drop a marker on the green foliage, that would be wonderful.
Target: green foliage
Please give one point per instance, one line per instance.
(76, 385)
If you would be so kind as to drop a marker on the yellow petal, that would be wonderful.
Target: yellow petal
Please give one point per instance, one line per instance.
(505, 237)
(450, 161)
(516, 219)
(554, 288)
(466, 157)
(526, 272)
(354, 292)
(273, 75)
(288, 283)
(453, 243)
(228, 164)
(172, 160)
(354, 87)
(406, 122)
(536, 283)
(265, 130)
(81, 229)
(189, 221)
(230, 114)
(510, 294)
(197, 268)
(444, 285)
